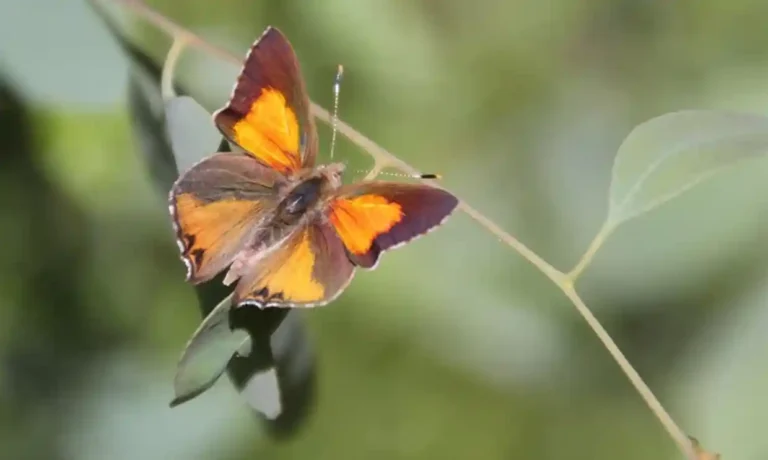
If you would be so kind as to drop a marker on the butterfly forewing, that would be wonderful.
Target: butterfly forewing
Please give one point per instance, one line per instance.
(372, 217)
(217, 206)
(268, 112)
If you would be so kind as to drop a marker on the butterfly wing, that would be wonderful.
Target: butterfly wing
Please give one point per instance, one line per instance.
(268, 112)
(309, 268)
(216, 206)
(371, 217)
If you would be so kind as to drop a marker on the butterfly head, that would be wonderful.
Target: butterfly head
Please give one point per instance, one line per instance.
(332, 173)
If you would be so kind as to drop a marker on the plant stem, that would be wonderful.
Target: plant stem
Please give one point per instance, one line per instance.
(552, 273)
(594, 246)
(384, 157)
(677, 435)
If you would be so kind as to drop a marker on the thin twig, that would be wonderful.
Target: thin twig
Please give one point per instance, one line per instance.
(666, 420)
(169, 68)
(384, 157)
(594, 246)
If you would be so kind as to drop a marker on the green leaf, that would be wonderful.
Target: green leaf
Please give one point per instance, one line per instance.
(208, 353)
(190, 131)
(667, 155)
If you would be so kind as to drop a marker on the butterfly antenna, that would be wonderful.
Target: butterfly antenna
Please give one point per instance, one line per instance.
(335, 119)
(412, 176)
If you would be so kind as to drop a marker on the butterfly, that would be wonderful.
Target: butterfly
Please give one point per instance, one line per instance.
(288, 231)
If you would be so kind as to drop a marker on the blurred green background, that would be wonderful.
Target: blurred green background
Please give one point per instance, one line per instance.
(454, 347)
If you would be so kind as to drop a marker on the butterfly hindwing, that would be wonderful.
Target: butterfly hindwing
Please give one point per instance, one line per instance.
(216, 206)
(268, 112)
(309, 268)
(372, 217)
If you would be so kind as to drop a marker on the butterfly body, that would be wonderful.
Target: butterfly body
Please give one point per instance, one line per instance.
(287, 230)
(308, 194)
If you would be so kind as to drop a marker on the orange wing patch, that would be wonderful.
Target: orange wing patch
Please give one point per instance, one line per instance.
(294, 276)
(309, 268)
(270, 132)
(208, 230)
(360, 220)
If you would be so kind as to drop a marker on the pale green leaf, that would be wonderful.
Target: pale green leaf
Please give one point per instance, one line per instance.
(206, 356)
(667, 155)
(190, 131)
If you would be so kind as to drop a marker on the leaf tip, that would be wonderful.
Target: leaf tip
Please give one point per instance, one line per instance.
(181, 398)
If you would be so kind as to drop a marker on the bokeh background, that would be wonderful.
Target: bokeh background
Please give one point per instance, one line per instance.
(455, 347)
